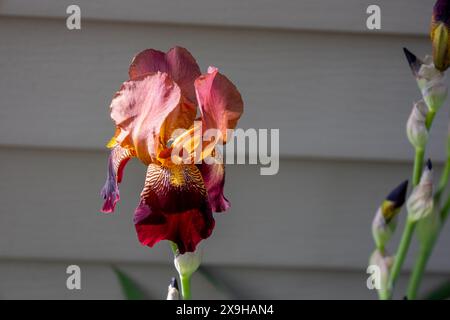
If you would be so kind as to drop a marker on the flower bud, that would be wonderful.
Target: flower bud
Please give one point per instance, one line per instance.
(384, 264)
(440, 30)
(416, 128)
(173, 293)
(186, 264)
(431, 81)
(385, 221)
(420, 204)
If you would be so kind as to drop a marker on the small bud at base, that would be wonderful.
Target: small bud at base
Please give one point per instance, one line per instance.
(186, 264)
(384, 263)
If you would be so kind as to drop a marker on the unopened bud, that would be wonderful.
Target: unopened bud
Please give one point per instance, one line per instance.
(385, 221)
(420, 204)
(440, 34)
(186, 264)
(431, 81)
(416, 128)
(381, 278)
(173, 293)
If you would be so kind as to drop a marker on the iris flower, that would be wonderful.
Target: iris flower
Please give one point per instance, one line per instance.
(161, 96)
(440, 34)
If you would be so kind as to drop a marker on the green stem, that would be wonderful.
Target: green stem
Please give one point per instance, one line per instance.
(409, 228)
(444, 180)
(445, 210)
(401, 253)
(418, 164)
(185, 280)
(425, 253)
(430, 117)
(427, 247)
(419, 267)
(186, 287)
(384, 294)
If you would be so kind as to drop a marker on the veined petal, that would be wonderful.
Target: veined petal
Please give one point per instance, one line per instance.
(174, 206)
(116, 163)
(177, 62)
(146, 109)
(214, 179)
(148, 61)
(220, 102)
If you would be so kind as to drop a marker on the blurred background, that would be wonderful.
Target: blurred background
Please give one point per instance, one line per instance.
(339, 93)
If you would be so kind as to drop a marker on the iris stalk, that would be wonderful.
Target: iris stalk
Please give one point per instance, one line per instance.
(420, 265)
(444, 179)
(401, 253)
(186, 287)
(185, 280)
(430, 117)
(409, 227)
(426, 248)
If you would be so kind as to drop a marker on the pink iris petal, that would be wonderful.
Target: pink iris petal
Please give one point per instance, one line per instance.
(141, 108)
(116, 163)
(220, 102)
(178, 63)
(214, 179)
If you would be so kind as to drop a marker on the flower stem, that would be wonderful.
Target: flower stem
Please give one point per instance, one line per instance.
(444, 180)
(401, 253)
(445, 210)
(409, 227)
(427, 247)
(419, 267)
(384, 294)
(418, 164)
(430, 117)
(185, 280)
(186, 287)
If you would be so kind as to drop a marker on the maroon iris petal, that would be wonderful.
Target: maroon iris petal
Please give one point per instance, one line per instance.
(174, 206)
(186, 229)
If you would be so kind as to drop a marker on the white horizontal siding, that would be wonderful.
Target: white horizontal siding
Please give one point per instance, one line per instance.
(47, 280)
(399, 16)
(312, 214)
(333, 96)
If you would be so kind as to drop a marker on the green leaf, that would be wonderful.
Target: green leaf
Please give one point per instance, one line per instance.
(131, 290)
(442, 292)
